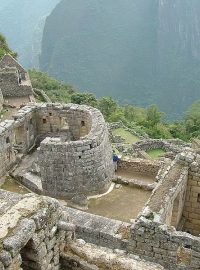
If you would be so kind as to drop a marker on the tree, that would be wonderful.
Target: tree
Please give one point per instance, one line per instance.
(4, 48)
(107, 106)
(84, 98)
(153, 116)
(178, 130)
(134, 114)
(117, 115)
(192, 119)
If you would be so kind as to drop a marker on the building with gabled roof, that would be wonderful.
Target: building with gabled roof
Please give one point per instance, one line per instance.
(15, 83)
(9, 61)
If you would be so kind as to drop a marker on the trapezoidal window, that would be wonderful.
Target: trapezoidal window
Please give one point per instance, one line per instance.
(44, 120)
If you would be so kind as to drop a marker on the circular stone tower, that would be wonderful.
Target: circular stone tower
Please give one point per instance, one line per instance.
(78, 158)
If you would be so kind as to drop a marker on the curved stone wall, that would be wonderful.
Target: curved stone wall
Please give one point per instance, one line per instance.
(75, 156)
(80, 163)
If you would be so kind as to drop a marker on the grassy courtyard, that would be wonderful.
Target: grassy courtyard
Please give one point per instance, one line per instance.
(154, 153)
(126, 135)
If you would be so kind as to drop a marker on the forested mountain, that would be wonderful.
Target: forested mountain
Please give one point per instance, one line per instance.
(138, 51)
(22, 22)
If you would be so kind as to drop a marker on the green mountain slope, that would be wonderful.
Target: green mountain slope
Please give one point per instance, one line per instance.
(138, 51)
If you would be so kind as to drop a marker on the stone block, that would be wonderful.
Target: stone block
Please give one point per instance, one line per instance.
(22, 235)
(5, 258)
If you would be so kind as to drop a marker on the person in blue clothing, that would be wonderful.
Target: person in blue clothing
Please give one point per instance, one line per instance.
(115, 160)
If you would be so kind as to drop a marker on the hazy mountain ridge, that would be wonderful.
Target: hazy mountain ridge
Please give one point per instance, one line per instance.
(138, 51)
(22, 23)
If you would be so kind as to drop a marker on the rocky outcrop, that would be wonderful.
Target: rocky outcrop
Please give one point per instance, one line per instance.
(22, 23)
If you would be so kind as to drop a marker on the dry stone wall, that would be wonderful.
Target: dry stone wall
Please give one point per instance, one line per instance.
(175, 145)
(191, 211)
(173, 203)
(31, 232)
(82, 166)
(7, 153)
(16, 136)
(9, 62)
(75, 155)
(163, 244)
(119, 124)
(148, 167)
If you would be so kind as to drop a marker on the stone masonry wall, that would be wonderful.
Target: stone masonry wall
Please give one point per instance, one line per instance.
(163, 244)
(191, 211)
(7, 154)
(83, 166)
(115, 125)
(16, 135)
(56, 118)
(9, 61)
(175, 146)
(154, 236)
(31, 236)
(137, 165)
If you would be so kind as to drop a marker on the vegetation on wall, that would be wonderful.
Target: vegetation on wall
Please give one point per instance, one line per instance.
(56, 90)
(4, 48)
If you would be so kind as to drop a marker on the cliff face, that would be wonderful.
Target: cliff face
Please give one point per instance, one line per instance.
(138, 51)
(178, 58)
(22, 23)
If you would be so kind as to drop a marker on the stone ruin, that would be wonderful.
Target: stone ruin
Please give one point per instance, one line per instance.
(140, 149)
(74, 157)
(15, 83)
(36, 233)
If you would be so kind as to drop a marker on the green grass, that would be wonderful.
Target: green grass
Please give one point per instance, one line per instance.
(126, 135)
(155, 152)
(11, 185)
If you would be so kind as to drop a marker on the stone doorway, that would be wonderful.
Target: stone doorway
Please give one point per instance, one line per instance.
(20, 138)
